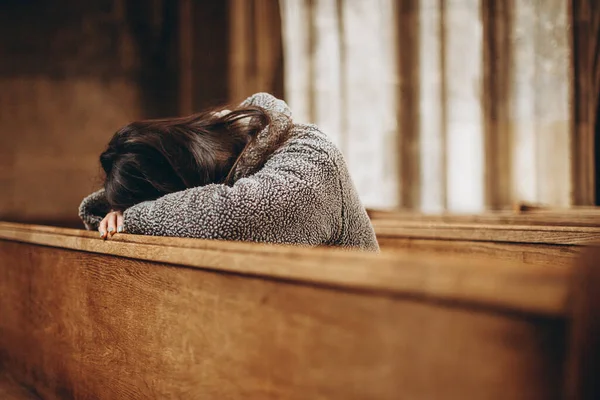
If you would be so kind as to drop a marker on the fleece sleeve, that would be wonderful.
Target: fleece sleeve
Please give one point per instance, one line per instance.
(294, 198)
(94, 207)
(268, 102)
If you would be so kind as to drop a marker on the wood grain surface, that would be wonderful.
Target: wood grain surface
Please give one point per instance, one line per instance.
(514, 287)
(550, 256)
(564, 235)
(584, 335)
(574, 216)
(81, 322)
(534, 236)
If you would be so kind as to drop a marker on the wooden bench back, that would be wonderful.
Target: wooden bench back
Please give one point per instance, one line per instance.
(541, 238)
(576, 216)
(145, 317)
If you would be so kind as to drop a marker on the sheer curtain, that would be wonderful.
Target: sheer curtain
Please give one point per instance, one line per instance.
(438, 105)
(340, 73)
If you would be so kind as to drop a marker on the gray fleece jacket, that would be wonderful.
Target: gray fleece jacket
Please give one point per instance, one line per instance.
(302, 194)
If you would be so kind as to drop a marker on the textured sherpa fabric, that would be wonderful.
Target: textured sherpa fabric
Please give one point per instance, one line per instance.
(300, 194)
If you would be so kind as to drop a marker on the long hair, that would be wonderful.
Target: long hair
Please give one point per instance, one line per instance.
(148, 159)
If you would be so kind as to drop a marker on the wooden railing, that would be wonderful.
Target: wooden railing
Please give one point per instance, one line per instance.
(576, 216)
(543, 237)
(147, 317)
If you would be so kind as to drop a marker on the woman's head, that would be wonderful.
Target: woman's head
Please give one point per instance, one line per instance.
(148, 159)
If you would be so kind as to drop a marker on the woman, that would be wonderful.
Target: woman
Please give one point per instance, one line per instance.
(250, 174)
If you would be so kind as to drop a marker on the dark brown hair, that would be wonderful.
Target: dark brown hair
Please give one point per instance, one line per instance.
(149, 159)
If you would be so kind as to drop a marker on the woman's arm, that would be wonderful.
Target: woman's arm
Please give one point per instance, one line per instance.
(93, 208)
(295, 198)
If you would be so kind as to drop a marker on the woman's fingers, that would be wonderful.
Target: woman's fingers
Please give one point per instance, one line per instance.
(119, 222)
(103, 227)
(112, 223)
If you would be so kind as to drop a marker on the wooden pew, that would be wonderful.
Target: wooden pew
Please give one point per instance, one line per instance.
(576, 216)
(147, 317)
(543, 237)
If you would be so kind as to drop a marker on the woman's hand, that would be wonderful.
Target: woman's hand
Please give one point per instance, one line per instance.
(111, 224)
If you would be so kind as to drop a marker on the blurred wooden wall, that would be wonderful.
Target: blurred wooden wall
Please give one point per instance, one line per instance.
(67, 81)
(255, 42)
(73, 72)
